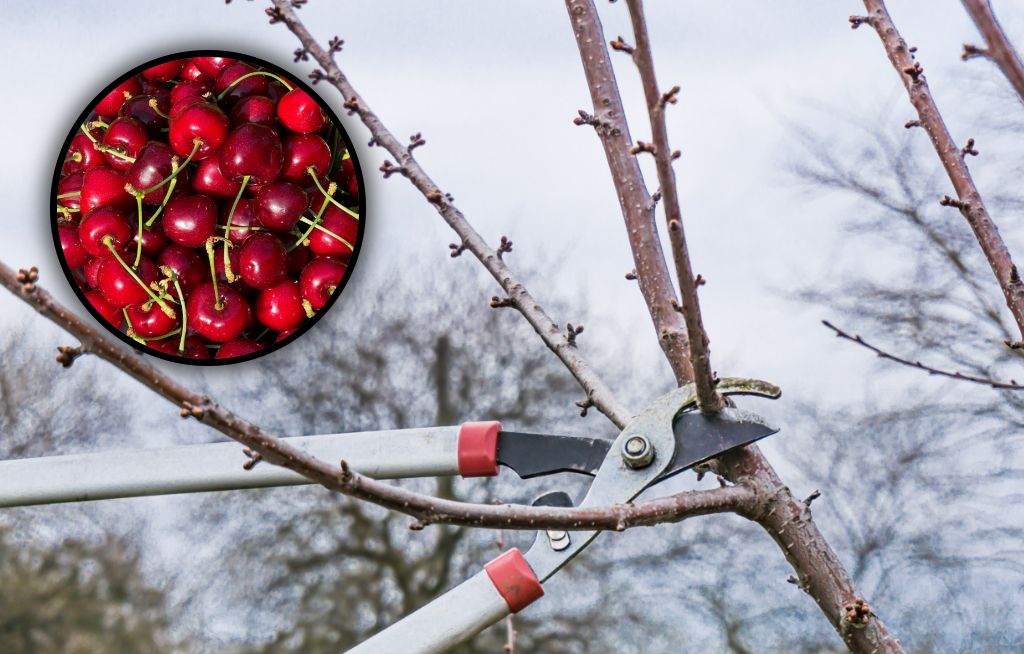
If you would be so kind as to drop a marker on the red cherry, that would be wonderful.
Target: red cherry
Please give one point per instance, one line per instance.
(346, 177)
(190, 220)
(339, 223)
(257, 109)
(87, 156)
(319, 279)
(211, 66)
(153, 240)
(237, 347)
(280, 205)
(139, 108)
(297, 260)
(222, 277)
(190, 268)
(203, 121)
(263, 261)
(128, 136)
(302, 151)
(211, 181)
(101, 224)
(149, 320)
(252, 150)
(111, 102)
(119, 287)
(71, 245)
(190, 90)
(244, 216)
(195, 347)
(166, 71)
(153, 166)
(255, 85)
(92, 271)
(191, 73)
(218, 323)
(283, 335)
(299, 112)
(70, 184)
(103, 186)
(280, 307)
(109, 312)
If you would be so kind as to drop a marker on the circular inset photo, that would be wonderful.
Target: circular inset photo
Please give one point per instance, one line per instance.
(208, 207)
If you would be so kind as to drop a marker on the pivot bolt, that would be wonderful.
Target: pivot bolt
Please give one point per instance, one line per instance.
(637, 452)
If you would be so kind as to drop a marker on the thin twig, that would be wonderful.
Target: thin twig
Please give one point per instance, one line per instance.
(970, 202)
(519, 297)
(997, 47)
(985, 381)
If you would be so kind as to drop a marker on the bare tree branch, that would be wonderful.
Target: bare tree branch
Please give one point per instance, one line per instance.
(597, 391)
(636, 203)
(985, 381)
(968, 200)
(700, 354)
(997, 47)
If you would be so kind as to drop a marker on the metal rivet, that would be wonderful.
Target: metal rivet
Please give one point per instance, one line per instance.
(637, 452)
(559, 540)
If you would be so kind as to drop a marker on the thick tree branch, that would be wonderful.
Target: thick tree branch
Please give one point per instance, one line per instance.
(267, 447)
(785, 518)
(597, 391)
(609, 122)
(1011, 385)
(700, 353)
(968, 200)
(997, 47)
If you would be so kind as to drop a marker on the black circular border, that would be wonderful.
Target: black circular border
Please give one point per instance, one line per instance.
(353, 258)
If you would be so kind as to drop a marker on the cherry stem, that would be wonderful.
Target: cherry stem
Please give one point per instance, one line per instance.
(138, 246)
(227, 230)
(175, 170)
(70, 194)
(131, 329)
(213, 273)
(167, 335)
(326, 231)
(315, 222)
(167, 198)
(184, 314)
(109, 242)
(156, 109)
(253, 74)
(320, 187)
(99, 147)
(99, 123)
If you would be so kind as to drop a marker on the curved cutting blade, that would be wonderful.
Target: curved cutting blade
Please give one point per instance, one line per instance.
(701, 436)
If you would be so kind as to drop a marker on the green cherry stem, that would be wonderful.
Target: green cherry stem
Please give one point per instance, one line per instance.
(320, 187)
(106, 148)
(167, 198)
(326, 231)
(213, 273)
(313, 224)
(156, 109)
(109, 242)
(175, 170)
(227, 230)
(71, 194)
(184, 314)
(138, 246)
(131, 329)
(253, 74)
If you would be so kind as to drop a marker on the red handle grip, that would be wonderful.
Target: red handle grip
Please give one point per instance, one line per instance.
(478, 448)
(514, 580)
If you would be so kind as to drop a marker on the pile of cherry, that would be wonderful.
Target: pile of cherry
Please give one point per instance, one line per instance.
(207, 208)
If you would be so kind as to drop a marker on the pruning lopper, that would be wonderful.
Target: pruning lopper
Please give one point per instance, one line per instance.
(662, 441)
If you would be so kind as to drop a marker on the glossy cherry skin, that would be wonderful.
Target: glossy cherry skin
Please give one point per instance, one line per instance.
(201, 120)
(139, 109)
(340, 223)
(244, 216)
(104, 186)
(279, 205)
(152, 166)
(319, 279)
(237, 347)
(280, 307)
(153, 239)
(209, 180)
(70, 184)
(92, 271)
(129, 136)
(255, 85)
(119, 288)
(299, 112)
(222, 324)
(151, 321)
(257, 109)
(166, 71)
(111, 102)
(302, 151)
(346, 177)
(109, 312)
(263, 261)
(211, 66)
(195, 347)
(190, 90)
(88, 156)
(190, 220)
(71, 245)
(100, 224)
(191, 269)
(253, 150)
(191, 73)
